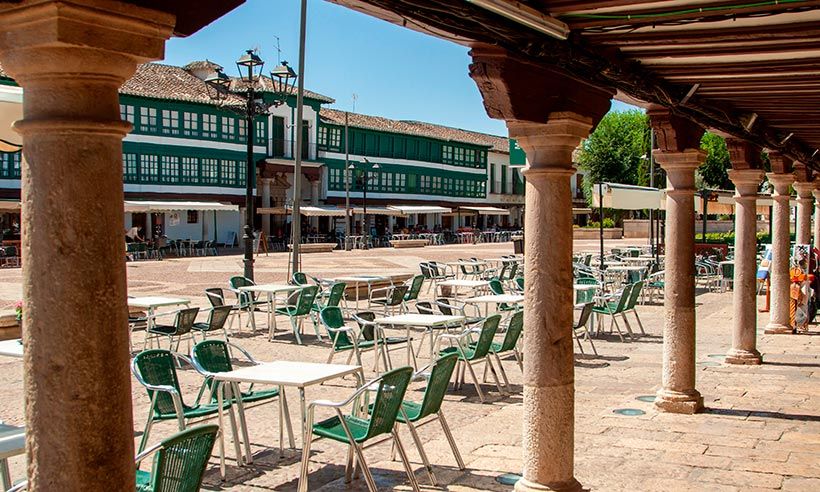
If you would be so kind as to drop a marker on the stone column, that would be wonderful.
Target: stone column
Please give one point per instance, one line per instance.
(70, 58)
(548, 113)
(679, 154)
(744, 295)
(265, 184)
(805, 204)
(779, 269)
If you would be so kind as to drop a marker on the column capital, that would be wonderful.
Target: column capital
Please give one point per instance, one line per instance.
(746, 181)
(549, 146)
(680, 166)
(781, 182)
(514, 89)
(743, 154)
(804, 189)
(780, 164)
(673, 134)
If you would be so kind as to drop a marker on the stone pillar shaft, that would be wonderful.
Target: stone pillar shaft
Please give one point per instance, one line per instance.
(71, 60)
(678, 394)
(549, 373)
(744, 296)
(805, 203)
(779, 269)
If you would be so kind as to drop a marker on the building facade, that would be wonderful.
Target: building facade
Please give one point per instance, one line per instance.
(186, 147)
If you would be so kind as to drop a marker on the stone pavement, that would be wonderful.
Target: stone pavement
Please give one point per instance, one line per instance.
(760, 431)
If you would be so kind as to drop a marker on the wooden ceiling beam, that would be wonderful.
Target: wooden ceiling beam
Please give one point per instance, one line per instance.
(706, 35)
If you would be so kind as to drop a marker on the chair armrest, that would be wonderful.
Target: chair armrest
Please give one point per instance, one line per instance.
(19, 487)
(380, 289)
(146, 453)
(344, 403)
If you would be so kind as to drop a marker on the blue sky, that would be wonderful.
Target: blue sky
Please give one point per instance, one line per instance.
(395, 72)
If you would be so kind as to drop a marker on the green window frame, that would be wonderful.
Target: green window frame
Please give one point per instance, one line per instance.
(189, 170)
(209, 170)
(149, 168)
(209, 125)
(127, 113)
(169, 169)
(170, 122)
(130, 167)
(227, 172)
(190, 124)
(10, 165)
(148, 120)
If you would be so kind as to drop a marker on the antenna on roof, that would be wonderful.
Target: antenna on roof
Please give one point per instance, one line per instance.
(278, 50)
(355, 98)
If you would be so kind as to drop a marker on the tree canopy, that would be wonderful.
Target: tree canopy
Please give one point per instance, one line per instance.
(714, 171)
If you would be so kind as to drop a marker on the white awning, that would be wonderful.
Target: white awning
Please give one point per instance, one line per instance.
(419, 209)
(156, 206)
(627, 197)
(313, 211)
(488, 210)
(376, 211)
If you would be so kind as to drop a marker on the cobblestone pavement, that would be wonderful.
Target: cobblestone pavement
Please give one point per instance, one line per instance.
(760, 430)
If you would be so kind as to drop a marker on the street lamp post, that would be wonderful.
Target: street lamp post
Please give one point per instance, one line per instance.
(250, 66)
(365, 182)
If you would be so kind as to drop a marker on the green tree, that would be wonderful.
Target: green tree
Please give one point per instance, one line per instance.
(614, 151)
(714, 170)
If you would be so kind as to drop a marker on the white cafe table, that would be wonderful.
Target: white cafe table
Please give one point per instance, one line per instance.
(12, 443)
(150, 304)
(271, 290)
(495, 299)
(362, 279)
(426, 321)
(459, 282)
(281, 374)
(12, 348)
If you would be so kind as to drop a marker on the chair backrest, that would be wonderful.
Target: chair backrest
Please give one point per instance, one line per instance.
(496, 287)
(307, 295)
(212, 356)
(335, 294)
(440, 375)
(637, 287)
(181, 460)
(426, 271)
(185, 320)
(586, 312)
(583, 296)
(219, 316)
(444, 306)
(397, 295)
(727, 270)
(391, 389)
(435, 269)
(332, 319)
(240, 281)
(512, 271)
(215, 296)
(424, 307)
(485, 339)
(624, 299)
(299, 278)
(157, 367)
(415, 288)
(520, 282)
(514, 330)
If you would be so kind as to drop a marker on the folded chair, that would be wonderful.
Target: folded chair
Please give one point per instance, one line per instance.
(356, 429)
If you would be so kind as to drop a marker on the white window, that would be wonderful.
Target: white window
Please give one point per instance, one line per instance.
(210, 170)
(322, 136)
(243, 126)
(129, 167)
(148, 119)
(261, 135)
(335, 138)
(190, 124)
(447, 153)
(227, 172)
(209, 125)
(228, 127)
(170, 122)
(149, 168)
(127, 113)
(242, 166)
(190, 170)
(169, 170)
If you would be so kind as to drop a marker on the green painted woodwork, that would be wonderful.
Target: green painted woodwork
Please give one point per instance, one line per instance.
(373, 143)
(10, 165)
(503, 179)
(395, 178)
(492, 180)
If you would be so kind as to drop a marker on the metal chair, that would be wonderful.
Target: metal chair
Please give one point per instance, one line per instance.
(469, 353)
(183, 324)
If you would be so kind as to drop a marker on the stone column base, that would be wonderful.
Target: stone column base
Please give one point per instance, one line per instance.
(778, 329)
(676, 402)
(525, 485)
(743, 357)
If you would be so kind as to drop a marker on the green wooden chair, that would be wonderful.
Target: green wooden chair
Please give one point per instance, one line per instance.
(213, 356)
(357, 428)
(179, 461)
(390, 298)
(297, 312)
(614, 308)
(637, 289)
(217, 319)
(156, 371)
(508, 345)
(344, 338)
(413, 413)
(469, 353)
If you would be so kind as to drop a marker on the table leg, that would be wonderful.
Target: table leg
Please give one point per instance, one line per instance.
(221, 413)
(4, 471)
(242, 422)
(234, 431)
(287, 417)
(303, 408)
(409, 346)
